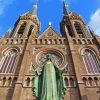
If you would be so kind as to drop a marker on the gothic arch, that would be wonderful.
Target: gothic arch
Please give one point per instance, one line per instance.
(55, 51)
(91, 60)
(85, 80)
(81, 50)
(9, 48)
(9, 60)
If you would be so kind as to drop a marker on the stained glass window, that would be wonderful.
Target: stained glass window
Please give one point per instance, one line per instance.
(91, 61)
(7, 63)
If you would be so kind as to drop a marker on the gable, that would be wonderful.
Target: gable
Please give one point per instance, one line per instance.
(49, 33)
(74, 16)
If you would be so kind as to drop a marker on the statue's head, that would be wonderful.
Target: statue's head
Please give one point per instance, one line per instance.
(48, 57)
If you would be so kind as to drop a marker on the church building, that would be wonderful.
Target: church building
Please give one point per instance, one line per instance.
(76, 51)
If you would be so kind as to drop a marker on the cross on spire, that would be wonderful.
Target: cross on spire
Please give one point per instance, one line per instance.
(66, 9)
(33, 10)
(35, 2)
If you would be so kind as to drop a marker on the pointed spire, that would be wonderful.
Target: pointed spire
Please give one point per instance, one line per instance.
(66, 9)
(33, 10)
(92, 31)
(8, 33)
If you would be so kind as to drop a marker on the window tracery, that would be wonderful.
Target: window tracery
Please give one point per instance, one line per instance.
(91, 61)
(7, 63)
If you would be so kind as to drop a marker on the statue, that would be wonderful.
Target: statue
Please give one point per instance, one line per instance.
(48, 83)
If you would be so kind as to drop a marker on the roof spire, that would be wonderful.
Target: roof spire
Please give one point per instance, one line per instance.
(91, 31)
(66, 9)
(33, 10)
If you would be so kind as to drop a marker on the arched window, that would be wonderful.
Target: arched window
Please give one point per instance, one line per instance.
(21, 30)
(66, 82)
(60, 41)
(4, 81)
(55, 40)
(28, 81)
(14, 81)
(79, 29)
(79, 41)
(90, 81)
(30, 30)
(9, 81)
(7, 63)
(40, 41)
(36, 41)
(72, 82)
(85, 81)
(96, 81)
(91, 61)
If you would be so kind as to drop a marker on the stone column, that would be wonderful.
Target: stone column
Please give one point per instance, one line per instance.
(19, 85)
(26, 30)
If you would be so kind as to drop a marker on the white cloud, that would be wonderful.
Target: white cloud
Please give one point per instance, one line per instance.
(95, 21)
(4, 4)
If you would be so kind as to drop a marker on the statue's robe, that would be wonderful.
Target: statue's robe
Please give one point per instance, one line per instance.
(48, 83)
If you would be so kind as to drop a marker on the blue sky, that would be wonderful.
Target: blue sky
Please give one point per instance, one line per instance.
(49, 10)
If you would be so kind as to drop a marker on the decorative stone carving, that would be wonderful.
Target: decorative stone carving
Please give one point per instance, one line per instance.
(50, 33)
(40, 55)
(37, 48)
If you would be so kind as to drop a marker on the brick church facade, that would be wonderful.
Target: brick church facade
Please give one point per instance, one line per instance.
(77, 51)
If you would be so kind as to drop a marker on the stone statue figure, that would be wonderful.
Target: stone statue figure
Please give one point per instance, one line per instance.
(48, 83)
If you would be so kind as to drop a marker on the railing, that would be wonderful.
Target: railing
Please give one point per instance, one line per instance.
(14, 41)
(83, 41)
(8, 80)
(91, 80)
(69, 80)
(49, 41)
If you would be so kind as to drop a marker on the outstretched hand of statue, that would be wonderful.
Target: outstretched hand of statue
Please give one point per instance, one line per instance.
(37, 70)
(33, 68)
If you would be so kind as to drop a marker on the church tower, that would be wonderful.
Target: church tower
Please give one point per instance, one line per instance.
(27, 24)
(76, 51)
(84, 49)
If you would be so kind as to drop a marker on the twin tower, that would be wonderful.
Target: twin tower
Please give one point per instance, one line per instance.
(77, 51)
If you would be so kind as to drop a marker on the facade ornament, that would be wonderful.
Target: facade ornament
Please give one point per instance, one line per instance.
(48, 83)
(50, 23)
